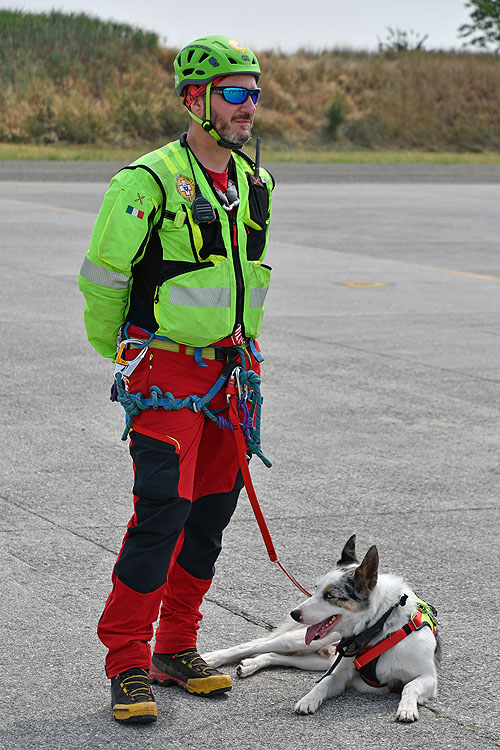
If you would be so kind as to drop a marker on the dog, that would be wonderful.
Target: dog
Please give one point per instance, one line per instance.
(353, 608)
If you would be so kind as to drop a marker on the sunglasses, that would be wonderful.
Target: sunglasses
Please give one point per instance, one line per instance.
(236, 94)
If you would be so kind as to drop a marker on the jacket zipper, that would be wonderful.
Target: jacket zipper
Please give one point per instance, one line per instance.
(240, 288)
(190, 231)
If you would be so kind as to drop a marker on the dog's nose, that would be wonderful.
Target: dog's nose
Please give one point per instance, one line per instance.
(296, 614)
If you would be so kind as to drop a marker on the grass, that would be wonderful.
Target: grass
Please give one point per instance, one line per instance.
(79, 82)
(67, 152)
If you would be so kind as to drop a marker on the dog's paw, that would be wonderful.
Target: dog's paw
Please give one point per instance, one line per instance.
(407, 713)
(309, 704)
(213, 658)
(246, 667)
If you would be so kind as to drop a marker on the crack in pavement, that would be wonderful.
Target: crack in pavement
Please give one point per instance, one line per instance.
(382, 355)
(259, 622)
(241, 613)
(58, 525)
(351, 514)
(475, 730)
(44, 274)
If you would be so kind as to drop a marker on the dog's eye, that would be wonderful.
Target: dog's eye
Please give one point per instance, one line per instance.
(327, 596)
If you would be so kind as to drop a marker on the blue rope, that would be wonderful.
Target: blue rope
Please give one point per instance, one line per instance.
(250, 379)
(135, 403)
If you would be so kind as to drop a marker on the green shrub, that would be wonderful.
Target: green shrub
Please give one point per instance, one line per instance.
(367, 131)
(335, 115)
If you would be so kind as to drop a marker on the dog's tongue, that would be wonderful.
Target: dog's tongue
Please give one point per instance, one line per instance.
(313, 630)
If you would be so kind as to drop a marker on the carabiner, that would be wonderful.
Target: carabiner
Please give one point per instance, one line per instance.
(125, 367)
(232, 384)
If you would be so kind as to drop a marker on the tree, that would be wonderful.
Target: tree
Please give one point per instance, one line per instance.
(398, 40)
(484, 29)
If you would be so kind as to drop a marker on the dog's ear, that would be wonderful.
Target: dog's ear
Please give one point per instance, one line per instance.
(365, 576)
(348, 554)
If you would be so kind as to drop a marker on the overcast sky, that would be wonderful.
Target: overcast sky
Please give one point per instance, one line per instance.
(265, 24)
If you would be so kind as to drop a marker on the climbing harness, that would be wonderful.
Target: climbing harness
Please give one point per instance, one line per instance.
(135, 403)
(357, 645)
(244, 401)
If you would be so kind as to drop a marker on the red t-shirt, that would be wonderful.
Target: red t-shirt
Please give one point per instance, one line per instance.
(219, 179)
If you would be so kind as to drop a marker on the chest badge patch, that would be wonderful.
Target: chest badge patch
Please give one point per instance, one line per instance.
(185, 187)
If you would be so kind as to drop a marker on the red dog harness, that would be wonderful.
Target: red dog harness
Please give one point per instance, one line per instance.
(366, 661)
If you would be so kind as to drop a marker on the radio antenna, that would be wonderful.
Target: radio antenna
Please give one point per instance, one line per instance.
(257, 157)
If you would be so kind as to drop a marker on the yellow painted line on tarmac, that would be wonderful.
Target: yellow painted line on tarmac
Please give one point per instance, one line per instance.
(451, 272)
(49, 208)
(434, 269)
(363, 283)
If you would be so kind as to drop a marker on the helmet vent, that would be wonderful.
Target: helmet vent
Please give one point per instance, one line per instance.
(232, 61)
(187, 71)
(203, 57)
(190, 55)
(200, 72)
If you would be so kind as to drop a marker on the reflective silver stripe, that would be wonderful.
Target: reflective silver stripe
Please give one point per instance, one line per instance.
(103, 277)
(257, 297)
(214, 297)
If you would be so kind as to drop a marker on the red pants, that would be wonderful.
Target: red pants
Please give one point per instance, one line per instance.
(186, 486)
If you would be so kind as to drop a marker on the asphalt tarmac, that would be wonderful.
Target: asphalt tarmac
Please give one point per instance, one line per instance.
(381, 384)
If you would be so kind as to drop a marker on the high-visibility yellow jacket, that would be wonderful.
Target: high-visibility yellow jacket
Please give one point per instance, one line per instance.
(150, 263)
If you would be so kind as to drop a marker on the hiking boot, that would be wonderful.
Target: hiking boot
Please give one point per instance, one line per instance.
(189, 670)
(132, 699)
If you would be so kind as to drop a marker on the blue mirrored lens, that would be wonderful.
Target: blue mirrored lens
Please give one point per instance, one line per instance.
(237, 94)
(255, 95)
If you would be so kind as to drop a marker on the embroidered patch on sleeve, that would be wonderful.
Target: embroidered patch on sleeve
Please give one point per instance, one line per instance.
(135, 212)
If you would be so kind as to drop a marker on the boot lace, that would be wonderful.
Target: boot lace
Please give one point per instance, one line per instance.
(192, 659)
(136, 685)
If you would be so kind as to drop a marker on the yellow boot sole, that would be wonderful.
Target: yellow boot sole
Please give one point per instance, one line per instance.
(136, 712)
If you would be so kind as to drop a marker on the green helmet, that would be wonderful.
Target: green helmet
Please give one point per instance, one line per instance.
(211, 56)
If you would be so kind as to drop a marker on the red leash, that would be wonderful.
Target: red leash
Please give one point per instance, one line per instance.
(232, 391)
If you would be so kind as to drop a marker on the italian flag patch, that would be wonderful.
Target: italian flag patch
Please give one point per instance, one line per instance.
(135, 212)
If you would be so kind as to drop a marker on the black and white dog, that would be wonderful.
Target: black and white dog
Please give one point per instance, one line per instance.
(370, 627)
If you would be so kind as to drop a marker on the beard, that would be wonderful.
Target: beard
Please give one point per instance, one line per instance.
(226, 130)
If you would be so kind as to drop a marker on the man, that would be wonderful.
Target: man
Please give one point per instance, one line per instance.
(175, 263)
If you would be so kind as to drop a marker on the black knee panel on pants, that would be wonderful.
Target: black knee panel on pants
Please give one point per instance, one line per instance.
(159, 516)
(156, 467)
(203, 531)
